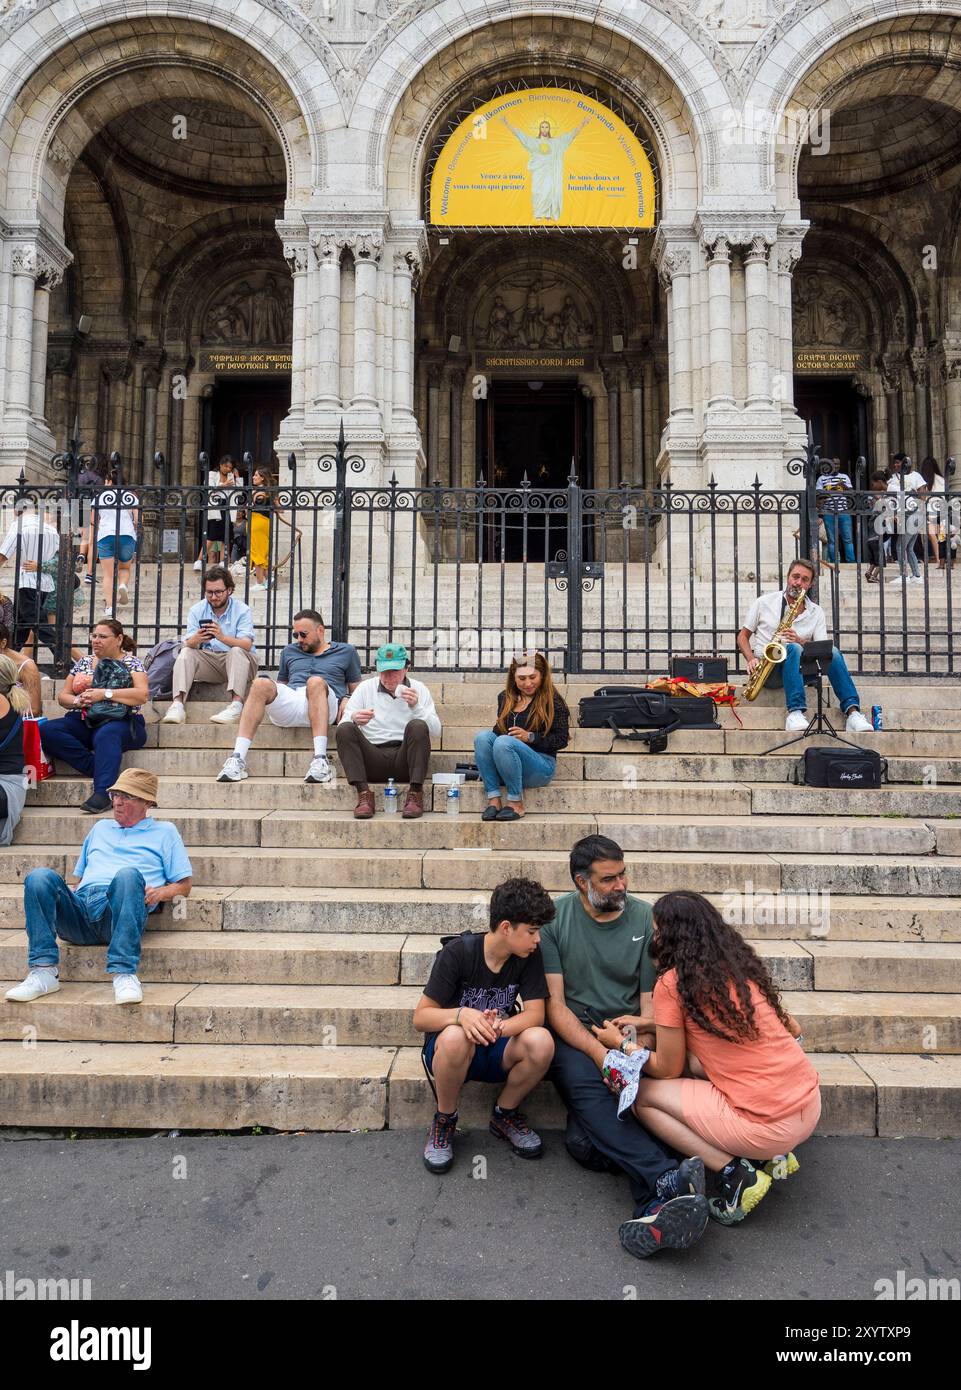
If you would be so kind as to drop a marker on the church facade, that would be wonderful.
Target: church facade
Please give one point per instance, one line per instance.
(228, 227)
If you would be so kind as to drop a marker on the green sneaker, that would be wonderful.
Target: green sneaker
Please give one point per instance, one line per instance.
(781, 1167)
(742, 1186)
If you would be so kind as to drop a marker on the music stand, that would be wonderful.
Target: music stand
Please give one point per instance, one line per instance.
(816, 657)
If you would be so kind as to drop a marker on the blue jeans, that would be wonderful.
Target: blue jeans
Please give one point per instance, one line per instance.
(510, 762)
(835, 524)
(789, 674)
(112, 914)
(97, 753)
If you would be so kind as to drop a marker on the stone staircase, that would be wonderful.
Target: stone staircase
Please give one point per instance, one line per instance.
(282, 996)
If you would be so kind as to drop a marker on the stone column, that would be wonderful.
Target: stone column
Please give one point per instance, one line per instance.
(456, 428)
(756, 324)
(719, 322)
(326, 346)
(784, 257)
(24, 269)
(151, 384)
(38, 353)
(919, 369)
(367, 252)
(952, 404)
(434, 377)
(636, 378)
(406, 267)
(890, 383)
(612, 384)
(296, 255)
(675, 275)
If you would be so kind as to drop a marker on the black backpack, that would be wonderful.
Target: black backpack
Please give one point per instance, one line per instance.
(837, 765)
(619, 707)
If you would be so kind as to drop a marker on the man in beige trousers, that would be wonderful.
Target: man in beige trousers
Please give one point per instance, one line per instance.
(218, 647)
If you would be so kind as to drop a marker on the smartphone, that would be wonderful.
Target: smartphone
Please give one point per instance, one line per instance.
(592, 1016)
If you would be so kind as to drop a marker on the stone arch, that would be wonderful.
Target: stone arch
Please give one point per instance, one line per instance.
(852, 246)
(825, 57)
(74, 88)
(637, 63)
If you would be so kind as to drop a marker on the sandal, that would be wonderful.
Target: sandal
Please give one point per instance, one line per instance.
(490, 811)
(508, 813)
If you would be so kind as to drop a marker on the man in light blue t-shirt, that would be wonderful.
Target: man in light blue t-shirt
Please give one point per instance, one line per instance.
(128, 867)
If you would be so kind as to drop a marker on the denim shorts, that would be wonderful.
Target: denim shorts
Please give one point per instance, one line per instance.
(122, 548)
(487, 1063)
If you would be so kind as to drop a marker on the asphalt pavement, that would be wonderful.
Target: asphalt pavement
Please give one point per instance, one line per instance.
(356, 1216)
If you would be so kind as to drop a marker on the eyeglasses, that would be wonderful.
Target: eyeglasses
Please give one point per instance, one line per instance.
(216, 593)
(122, 796)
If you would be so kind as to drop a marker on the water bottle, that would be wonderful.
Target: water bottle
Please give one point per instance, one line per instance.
(453, 800)
(877, 717)
(390, 798)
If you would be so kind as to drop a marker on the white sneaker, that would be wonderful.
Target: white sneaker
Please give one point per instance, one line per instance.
(233, 770)
(915, 579)
(896, 582)
(857, 724)
(796, 722)
(42, 980)
(127, 989)
(230, 715)
(198, 564)
(258, 588)
(123, 598)
(176, 714)
(108, 612)
(320, 770)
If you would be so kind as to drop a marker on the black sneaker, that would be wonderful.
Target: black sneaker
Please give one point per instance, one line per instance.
(674, 1225)
(741, 1187)
(93, 805)
(686, 1180)
(439, 1149)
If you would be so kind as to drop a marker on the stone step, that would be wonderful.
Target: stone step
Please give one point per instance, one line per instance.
(885, 966)
(218, 957)
(82, 1085)
(89, 1085)
(758, 915)
(380, 1016)
(839, 1021)
(669, 798)
(899, 713)
(460, 739)
(660, 872)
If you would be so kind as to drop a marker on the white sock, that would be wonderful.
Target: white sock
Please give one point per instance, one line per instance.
(320, 746)
(240, 747)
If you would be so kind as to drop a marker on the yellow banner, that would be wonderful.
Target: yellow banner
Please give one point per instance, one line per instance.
(546, 157)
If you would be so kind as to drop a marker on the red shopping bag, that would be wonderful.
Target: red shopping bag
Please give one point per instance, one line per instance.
(36, 768)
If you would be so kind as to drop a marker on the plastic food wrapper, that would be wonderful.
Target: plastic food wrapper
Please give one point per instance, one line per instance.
(624, 1074)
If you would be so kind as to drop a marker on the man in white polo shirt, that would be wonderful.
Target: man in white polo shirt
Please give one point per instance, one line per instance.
(760, 624)
(385, 732)
(128, 866)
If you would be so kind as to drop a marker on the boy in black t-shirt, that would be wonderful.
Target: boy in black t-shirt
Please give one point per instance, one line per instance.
(483, 1012)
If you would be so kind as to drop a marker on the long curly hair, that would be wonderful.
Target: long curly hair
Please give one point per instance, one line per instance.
(715, 967)
(541, 715)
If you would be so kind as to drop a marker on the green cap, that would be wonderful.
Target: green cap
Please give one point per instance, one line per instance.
(392, 657)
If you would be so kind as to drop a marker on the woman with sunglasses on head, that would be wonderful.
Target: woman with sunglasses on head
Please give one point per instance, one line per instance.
(103, 695)
(532, 727)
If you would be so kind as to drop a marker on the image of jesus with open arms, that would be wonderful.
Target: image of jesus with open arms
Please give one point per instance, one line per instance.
(546, 164)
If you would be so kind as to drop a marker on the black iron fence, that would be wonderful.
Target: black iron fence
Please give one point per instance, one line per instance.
(605, 581)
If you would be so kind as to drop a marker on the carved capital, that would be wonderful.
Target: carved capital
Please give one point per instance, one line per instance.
(890, 373)
(918, 363)
(366, 246)
(327, 247)
(24, 261)
(757, 250)
(296, 255)
(718, 250)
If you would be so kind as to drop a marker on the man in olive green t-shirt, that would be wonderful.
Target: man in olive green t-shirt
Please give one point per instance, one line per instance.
(597, 959)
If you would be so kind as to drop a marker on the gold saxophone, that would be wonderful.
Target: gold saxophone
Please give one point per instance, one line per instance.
(774, 651)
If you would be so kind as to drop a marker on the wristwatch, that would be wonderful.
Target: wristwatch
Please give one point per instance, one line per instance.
(108, 694)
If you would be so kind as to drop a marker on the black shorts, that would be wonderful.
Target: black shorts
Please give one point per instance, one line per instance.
(216, 529)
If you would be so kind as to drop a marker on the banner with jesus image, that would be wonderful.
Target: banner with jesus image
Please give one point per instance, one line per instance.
(546, 157)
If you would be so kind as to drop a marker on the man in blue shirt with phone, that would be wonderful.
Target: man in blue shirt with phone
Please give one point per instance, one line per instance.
(218, 647)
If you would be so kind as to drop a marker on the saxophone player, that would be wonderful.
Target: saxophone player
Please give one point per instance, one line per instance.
(810, 625)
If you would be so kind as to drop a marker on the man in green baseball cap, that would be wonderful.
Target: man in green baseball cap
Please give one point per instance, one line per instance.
(385, 732)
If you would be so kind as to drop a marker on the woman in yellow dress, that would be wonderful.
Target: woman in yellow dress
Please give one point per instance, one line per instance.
(259, 543)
